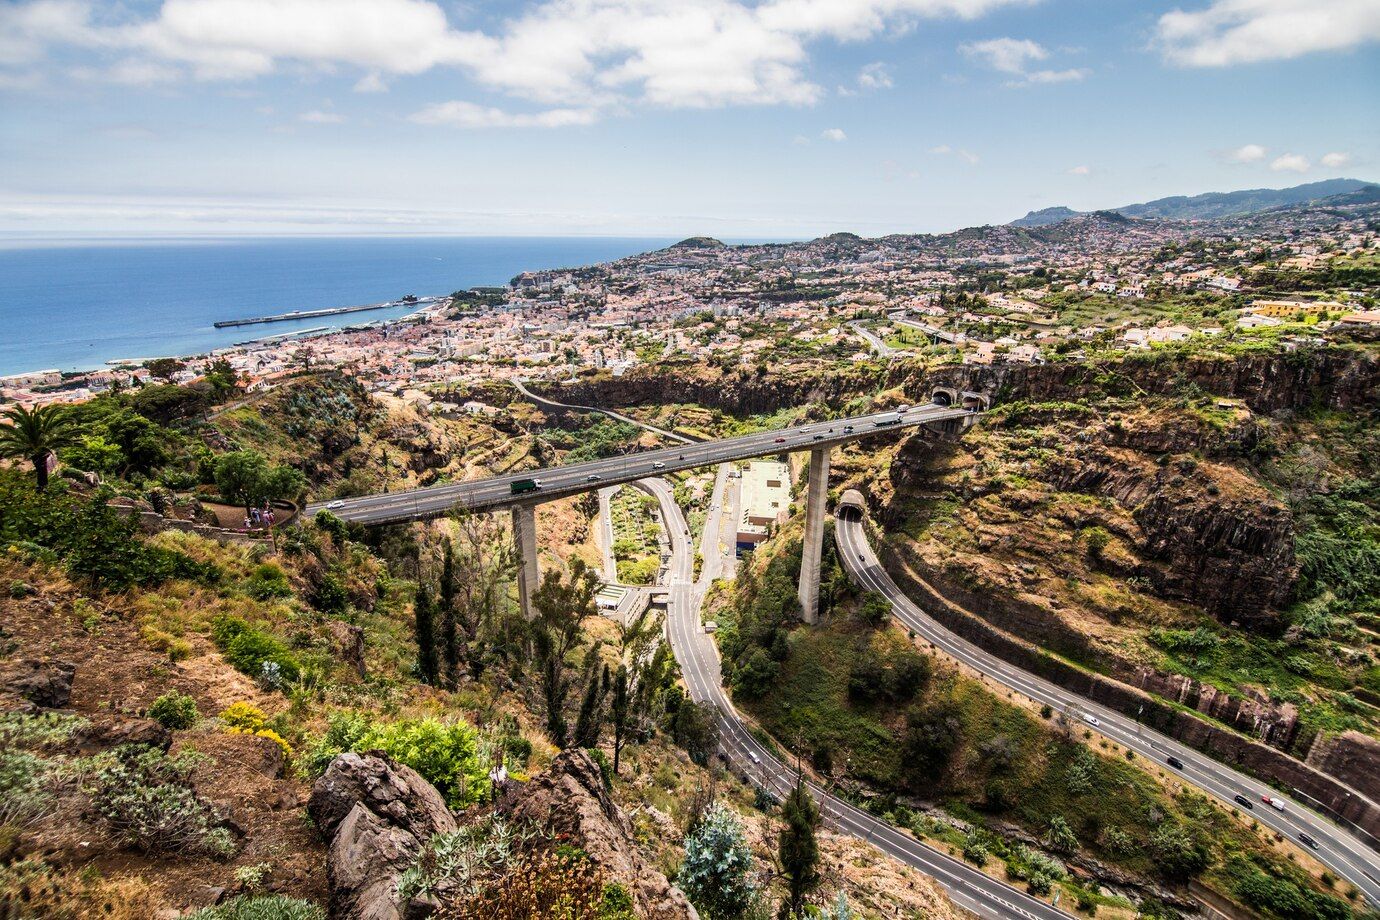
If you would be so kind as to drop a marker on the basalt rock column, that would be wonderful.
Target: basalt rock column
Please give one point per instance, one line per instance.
(525, 539)
(813, 550)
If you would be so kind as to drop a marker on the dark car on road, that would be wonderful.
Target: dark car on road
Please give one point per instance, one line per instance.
(1312, 844)
(1175, 762)
(1244, 802)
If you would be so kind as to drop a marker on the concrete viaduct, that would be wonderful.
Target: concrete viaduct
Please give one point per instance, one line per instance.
(950, 411)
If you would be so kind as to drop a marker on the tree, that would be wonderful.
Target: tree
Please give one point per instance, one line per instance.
(424, 617)
(717, 872)
(590, 722)
(619, 711)
(165, 369)
(450, 642)
(560, 606)
(696, 729)
(797, 848)
(245, 478)
(33, 434)
(482, 561)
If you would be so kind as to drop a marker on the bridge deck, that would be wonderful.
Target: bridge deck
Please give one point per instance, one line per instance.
(562, 481)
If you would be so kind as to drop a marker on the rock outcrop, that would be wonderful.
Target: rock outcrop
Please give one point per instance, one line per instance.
(42, 683)
(570, 800)
(104, 735)
(377, 815)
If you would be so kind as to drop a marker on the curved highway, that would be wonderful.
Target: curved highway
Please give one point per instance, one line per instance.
(698, 655)
(543, 401)
(1339, 850)
(563, 481)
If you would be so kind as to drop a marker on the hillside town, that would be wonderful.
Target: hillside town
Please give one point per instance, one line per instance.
(979, 296)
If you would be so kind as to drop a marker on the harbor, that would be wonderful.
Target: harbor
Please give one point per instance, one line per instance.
(328, 311)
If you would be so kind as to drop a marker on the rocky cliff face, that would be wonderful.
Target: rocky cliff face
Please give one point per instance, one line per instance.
(1231, 554)
(569, 800)
(1329, 377)
(378, 817)
(739, 392)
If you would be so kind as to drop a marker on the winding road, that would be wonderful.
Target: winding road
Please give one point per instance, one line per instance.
(698, 655)
(1337, 849)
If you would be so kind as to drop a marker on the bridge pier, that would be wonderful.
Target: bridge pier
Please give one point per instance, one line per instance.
(525, 539)
(813, 550)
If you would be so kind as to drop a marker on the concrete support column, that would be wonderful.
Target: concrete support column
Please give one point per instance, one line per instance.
(525, 539)
(817, 493)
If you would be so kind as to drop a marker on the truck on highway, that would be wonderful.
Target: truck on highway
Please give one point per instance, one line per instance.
(882, 423)
(522, 486)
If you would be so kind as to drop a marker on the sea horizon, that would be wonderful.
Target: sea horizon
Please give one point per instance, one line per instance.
(77, 303)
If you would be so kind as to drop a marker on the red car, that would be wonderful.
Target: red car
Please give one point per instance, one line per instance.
(780, 440)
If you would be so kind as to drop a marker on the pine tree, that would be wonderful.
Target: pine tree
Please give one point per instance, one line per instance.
(425, 625)
(797, 848)
(450, 643)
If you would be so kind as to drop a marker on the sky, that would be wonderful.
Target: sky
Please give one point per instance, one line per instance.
(747, 119)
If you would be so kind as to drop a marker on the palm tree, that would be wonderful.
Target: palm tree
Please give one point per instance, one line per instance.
(33, 433)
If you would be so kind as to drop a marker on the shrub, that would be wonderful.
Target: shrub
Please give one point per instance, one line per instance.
(329, 595)
(261, 907)
(248, 719)
(267, 582)
(145, 799)
(24, 788)
(174, 710)
(717, 872)
(249, 649)
(444, 753)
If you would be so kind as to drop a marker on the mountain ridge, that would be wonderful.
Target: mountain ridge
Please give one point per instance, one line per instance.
(1210, 205)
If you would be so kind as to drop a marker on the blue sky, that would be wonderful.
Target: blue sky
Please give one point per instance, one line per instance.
(736, 118)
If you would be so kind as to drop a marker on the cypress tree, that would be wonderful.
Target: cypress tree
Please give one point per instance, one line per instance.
(798, 848)
(424, 613)
(450, 644)
(619, 711)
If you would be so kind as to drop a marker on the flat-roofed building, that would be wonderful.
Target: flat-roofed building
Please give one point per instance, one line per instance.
(766, 499)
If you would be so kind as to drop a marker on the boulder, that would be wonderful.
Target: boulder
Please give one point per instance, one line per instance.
(570, 801)
(376, 815)
(102, 736)
(44, 683)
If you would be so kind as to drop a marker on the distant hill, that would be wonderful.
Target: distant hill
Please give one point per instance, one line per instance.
(1219, 204)
(1045, 216)
(698, 242)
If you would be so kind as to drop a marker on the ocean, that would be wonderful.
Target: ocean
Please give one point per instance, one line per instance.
(77, 304)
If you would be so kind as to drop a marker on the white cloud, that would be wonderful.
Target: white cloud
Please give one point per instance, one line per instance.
(1336, 160)
(966, 156)
(462, 114)
(1053, 76)
(1290, 162)
(1230, 32)
(833, 134)
(568, 54)
(321, 117)
(1014, 56)
(1249, 153)
(143, 73)
(1008, 55)
(1080, 171)
(371, 82)
(875, 76)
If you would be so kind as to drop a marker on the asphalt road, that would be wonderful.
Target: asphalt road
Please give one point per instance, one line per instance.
(1338, 849)
(543, 401)
(562, 481)
(699, 661)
